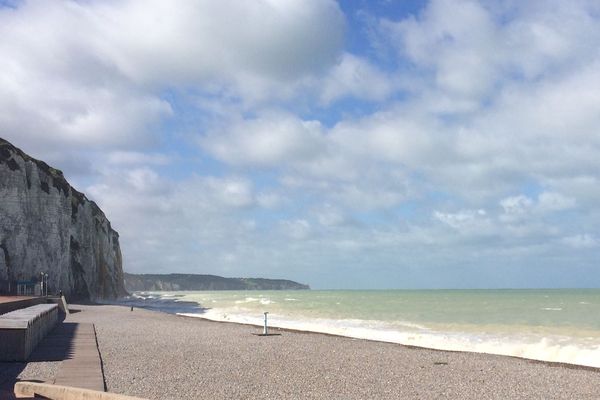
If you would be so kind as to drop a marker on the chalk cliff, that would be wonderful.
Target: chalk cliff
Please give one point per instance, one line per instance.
(48, 226)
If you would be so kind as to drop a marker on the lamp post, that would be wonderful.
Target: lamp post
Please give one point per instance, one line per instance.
(41, 284)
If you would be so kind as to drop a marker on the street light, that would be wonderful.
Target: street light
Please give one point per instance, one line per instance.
(42, 284)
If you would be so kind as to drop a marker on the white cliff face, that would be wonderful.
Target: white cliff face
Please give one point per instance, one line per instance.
(47, 226)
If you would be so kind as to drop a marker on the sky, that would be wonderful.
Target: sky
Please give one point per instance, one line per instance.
(346, 145)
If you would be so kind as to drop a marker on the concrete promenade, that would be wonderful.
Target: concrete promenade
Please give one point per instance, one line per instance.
(75, 345)
(71, 346)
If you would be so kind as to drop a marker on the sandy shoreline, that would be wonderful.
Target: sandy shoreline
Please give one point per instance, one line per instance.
(163, 356)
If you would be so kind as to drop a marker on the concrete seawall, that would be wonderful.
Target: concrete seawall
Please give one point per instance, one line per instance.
(8, 304)
(22, 330)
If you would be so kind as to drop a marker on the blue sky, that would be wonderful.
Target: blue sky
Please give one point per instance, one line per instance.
(359, 144)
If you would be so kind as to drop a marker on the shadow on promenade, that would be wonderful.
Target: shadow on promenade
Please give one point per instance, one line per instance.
(56, 346)
(9, 371)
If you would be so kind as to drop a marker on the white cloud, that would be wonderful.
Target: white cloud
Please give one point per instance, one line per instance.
(368, 196)
(331, 216)
(585, 187)
(457, 49)
(463, 220)
(143, 179)
(394, 135)
(583, 241)
(298, 229)
(549, 201)
(273, 139)
(521, 206)
(354, 76)
(234, 192)
(136, 157)
(204, 40)
(516, 205)
(483, 45)
(185, 226)
(58, 88)
(478, 102)
(269, 199)
(92, 73)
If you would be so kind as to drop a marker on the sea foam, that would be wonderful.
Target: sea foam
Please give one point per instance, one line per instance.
(547, 325)
(550, 349)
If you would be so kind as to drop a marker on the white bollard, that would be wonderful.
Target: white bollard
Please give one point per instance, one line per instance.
(266, 330)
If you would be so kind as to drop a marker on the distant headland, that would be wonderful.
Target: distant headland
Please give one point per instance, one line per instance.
(168, 282)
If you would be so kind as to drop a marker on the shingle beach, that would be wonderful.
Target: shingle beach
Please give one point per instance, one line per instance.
(162, 356)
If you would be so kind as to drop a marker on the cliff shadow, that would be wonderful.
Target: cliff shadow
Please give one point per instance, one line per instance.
(57, 345)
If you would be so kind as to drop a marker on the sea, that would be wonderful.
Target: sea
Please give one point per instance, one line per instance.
(561, 325)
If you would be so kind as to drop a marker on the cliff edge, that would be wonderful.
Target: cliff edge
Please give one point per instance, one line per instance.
(48, 226)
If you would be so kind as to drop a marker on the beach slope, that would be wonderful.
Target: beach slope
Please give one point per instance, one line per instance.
(162, 356)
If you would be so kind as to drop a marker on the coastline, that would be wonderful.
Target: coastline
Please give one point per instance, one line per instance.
(541, 329)
(159, 356)
(300, 331)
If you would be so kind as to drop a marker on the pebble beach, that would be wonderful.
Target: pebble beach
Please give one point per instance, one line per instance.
(162, 356)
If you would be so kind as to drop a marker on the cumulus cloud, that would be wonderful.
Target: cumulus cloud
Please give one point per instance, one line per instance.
(516, 205)
(549, 201)
(223, 135)
(102, 86)
(136, 157)
(203, 39)
(298, 229)
(330, 216)
(274, 139)
(582, 241)
(269, 199)
(143, 179)
(483, 45)
(185, 225)
(522, 206)
(456, 50)
(57, 87)
(357, 77)
(465, 219)
(232, 192)
(394, 135)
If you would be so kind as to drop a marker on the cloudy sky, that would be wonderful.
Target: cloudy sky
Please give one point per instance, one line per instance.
(351, 144)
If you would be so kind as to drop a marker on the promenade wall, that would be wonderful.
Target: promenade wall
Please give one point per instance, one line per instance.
(21, 330)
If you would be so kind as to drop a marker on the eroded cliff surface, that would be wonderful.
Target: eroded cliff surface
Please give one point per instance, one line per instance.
(48, 226)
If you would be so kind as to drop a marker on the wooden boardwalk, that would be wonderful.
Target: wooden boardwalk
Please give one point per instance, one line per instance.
(75, 345)
(84, 368)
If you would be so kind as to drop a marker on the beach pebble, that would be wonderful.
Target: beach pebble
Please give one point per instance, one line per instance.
(161, 356)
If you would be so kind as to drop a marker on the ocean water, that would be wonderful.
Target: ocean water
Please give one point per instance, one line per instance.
(550, 325)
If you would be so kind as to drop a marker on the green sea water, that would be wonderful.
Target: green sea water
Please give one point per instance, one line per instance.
(553, 325)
